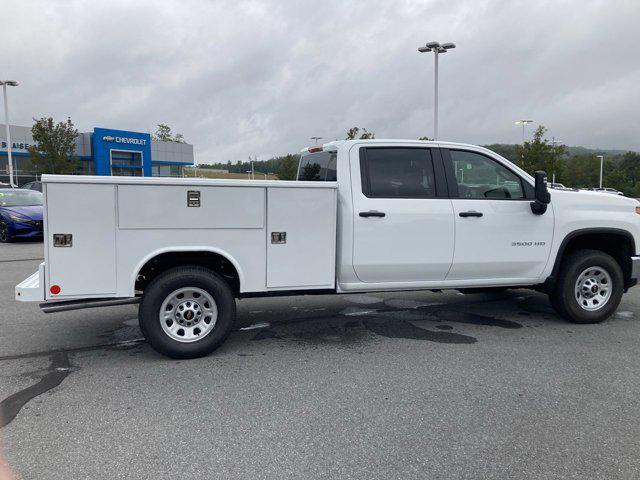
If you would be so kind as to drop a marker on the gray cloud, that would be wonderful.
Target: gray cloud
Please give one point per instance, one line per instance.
(250, 77)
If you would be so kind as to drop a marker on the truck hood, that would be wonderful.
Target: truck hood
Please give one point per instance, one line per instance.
(33, 212)
(596, 199)
(578, 210)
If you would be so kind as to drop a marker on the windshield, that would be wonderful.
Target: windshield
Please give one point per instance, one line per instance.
(19, 198)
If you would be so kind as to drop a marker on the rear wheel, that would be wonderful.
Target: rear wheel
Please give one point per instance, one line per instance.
(4, 233)
(187, 312)
(589, 287)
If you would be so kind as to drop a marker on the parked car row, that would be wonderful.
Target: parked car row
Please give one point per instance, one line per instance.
(20, 214)
(612, 191)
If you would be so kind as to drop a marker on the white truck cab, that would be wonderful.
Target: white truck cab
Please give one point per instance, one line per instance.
(363, 216)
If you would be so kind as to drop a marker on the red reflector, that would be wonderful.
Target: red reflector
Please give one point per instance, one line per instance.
(55, 289)
(315, 149)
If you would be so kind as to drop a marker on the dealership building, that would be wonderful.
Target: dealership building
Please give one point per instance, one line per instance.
(102, 152)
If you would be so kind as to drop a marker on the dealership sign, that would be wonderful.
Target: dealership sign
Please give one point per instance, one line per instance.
(129, 141)
(16, 146)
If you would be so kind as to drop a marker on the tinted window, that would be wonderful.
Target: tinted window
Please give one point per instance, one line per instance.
(318, 167)
(481, 177)
(397, 173)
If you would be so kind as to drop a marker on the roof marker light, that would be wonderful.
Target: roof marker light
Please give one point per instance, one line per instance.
(315, 149)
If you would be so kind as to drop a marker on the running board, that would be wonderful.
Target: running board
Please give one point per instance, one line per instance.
(65, 306)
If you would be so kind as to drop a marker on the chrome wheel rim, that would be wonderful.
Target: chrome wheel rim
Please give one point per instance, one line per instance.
(188, 314)
(593, 288)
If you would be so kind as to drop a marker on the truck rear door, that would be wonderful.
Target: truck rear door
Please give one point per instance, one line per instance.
(403, 219)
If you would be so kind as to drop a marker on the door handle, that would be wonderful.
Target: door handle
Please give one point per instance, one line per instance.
(372, 213)
(470, 213)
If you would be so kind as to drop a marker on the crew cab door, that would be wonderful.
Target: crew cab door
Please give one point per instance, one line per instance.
(403, 223)
(497, 235)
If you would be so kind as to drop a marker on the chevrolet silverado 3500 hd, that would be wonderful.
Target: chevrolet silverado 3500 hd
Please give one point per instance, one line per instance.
(364, 216)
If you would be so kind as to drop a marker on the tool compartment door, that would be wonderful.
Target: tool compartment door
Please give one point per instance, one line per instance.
(305, 259)
(86, 211)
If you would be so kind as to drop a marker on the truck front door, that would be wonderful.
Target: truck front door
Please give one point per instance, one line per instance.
(497, 235)
(403, 222)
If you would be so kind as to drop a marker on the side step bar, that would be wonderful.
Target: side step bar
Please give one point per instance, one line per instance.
(65, 306)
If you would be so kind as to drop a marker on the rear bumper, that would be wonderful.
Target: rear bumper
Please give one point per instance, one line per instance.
(31, 289)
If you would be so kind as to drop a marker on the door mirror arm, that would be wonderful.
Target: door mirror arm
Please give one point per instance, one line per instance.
(542, 195)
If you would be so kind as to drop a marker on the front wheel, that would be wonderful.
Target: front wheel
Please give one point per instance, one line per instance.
(4, 233)
(187, 312)
(589, 287)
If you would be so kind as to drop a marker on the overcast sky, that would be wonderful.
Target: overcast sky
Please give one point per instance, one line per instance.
(259, 78)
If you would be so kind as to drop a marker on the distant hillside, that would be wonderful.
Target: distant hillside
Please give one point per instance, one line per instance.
(508, 150)
(592, 151)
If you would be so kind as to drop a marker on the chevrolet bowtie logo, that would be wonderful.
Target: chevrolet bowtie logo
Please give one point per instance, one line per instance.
(108, 138)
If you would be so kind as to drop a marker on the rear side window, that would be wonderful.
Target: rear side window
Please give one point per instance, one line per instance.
(397, 173)
(318, 167)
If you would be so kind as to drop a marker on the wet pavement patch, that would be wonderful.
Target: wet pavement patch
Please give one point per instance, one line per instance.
(404, 329)
(351, 324)
(56, 373)
(265, 335)
(535, 307)
(472, 319)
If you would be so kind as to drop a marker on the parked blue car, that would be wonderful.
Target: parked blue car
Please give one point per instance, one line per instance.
(20, 214)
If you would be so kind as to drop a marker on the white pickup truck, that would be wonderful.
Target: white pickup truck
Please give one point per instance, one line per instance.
(364, 216)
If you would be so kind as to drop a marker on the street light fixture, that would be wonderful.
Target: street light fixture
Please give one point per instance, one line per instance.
(524, 123)
(436, 48)
(316, 139)
(5, 84)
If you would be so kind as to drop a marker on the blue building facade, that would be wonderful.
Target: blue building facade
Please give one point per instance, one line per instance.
(118, 152)
(104, 151)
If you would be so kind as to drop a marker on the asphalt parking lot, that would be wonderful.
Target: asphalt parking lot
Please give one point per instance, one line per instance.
(403, 385)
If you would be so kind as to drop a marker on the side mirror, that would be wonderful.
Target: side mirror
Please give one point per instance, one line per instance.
(543, 197)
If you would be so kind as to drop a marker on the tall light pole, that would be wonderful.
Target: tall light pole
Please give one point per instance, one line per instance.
(436, 48)
(10, 83)
(554, 142)
(316, 139)
(524, 123)
(601, 157)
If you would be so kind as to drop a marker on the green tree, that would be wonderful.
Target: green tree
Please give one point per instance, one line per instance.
(55, 146)
(540, 154)
(288, 168)
(629, 167)
(507, 151)
(163, 134)
(352, 134)
(581, 171)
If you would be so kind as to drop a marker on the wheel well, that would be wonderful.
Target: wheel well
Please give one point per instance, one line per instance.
(617, 243)
(213, 261)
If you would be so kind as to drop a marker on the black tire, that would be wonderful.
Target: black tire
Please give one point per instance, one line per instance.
(4, 233)
(162, 287)
(564, 297)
